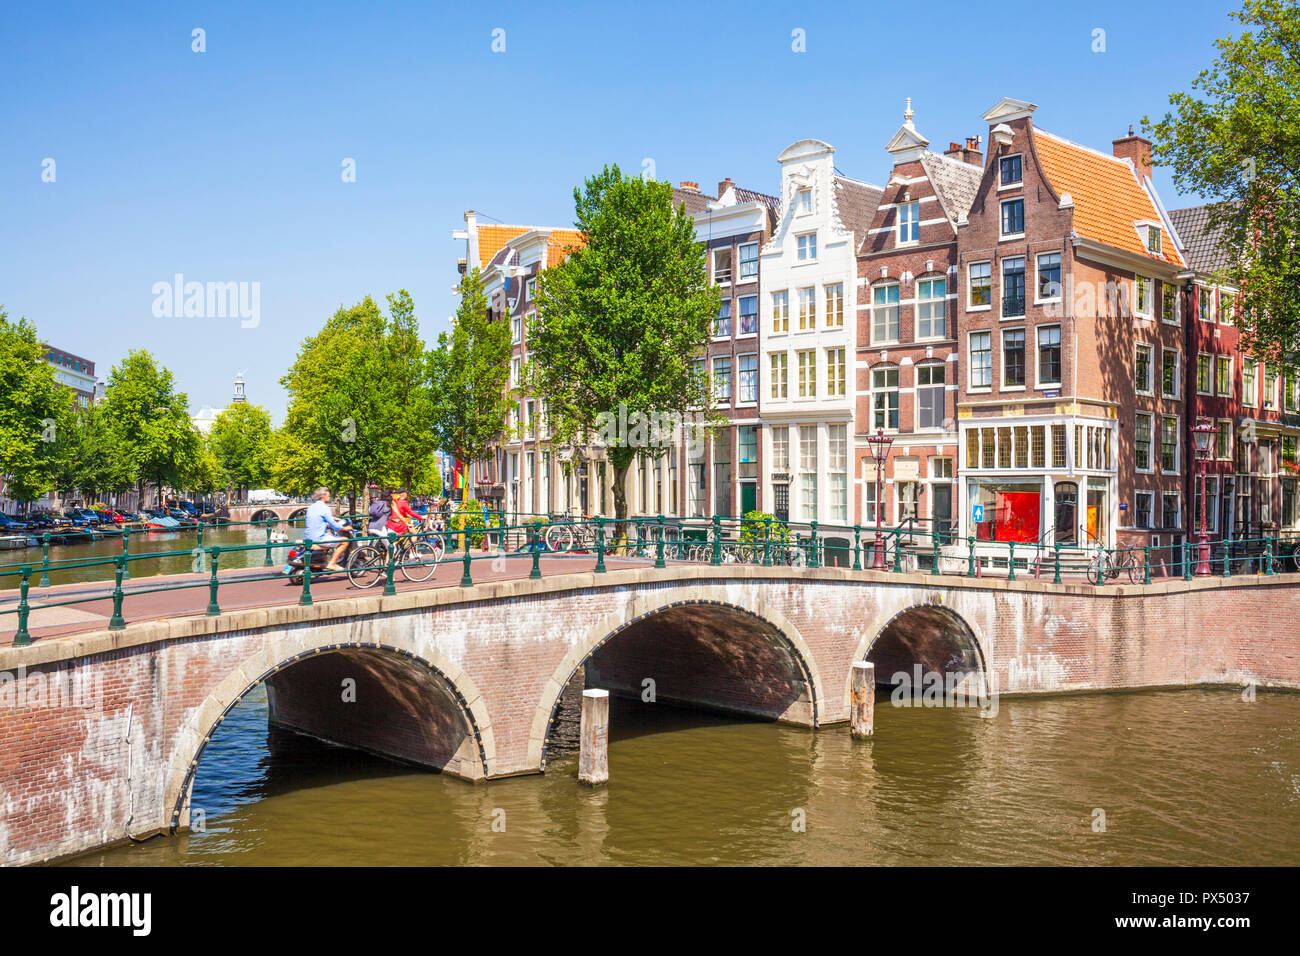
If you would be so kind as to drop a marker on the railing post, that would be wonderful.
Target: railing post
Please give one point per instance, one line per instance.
(213, 608)
(1146, 564)
(116, 622)
(767, 542)
(389, 587)
(487, 545)
(1056, 575)
(465, 580)
(1268, 567)
(857, 547)
(816, 558)
(200, 532)
(1187, 560)
(536, 572)
(1227, 570)
(126, 557)
(898, 553)
(45, 560)
(267, 563)
(600, 545)
(1101, 565)
(659, 547)
(970, 567)
(934, 540)
(21, 637)
(717, 540)
(1011, 560)
(305, 599)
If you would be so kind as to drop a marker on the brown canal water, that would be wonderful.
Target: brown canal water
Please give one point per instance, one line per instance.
(1183, 777)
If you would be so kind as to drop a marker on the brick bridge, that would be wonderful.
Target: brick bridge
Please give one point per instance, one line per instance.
(282, 512)
(101, 732)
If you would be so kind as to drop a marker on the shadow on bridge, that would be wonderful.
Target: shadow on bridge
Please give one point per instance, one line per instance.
(930, 637)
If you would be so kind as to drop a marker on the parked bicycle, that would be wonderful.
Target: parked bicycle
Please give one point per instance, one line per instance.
(1111, 564)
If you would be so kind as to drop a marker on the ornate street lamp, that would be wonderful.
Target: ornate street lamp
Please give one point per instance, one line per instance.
(1201, 433)
(879, 443)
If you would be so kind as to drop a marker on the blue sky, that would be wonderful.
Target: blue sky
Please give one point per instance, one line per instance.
(226, 165)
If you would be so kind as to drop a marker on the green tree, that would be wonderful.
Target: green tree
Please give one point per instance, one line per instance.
(150, 422)
(622, 321)
(34, 410)
(204, 474)
(468, 374)
(241, 441)
(90, 460)
(1236, 141)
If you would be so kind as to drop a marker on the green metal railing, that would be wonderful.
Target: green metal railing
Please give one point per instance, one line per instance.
(485, 535)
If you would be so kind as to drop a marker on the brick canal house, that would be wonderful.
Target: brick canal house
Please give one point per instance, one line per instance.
(808, 308)
(1251, 484)
(1071, 405)
(906, 362)
(524, 475)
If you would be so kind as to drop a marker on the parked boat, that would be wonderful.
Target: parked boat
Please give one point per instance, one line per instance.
(12, 542)
(162, 524)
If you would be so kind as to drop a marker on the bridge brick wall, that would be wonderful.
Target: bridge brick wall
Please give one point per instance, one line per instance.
(495, 658)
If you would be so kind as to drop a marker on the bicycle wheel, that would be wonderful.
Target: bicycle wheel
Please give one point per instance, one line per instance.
(367, 566)
(559, 537)
(419, 560)
(1134, 569)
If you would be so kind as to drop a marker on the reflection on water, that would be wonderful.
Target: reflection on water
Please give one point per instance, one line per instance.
(1184, 777)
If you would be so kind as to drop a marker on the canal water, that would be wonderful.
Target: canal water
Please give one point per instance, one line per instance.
(1170, 777)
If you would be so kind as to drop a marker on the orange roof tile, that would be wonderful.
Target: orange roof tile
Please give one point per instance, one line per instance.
(1108, 199)
(492, 239)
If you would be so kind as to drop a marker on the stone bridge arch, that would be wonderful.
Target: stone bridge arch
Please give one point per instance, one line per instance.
(928, 633)
(469, 754)
(764, 639)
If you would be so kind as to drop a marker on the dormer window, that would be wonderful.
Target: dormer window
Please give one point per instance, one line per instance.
(909, 222)
(1153, 240)
(1010, 172)
(804, 200)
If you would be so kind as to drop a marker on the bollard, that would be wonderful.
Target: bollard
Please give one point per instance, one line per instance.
(389, 587)
(116, 622)
(600, 546)
(213, 608)
(21, 637)
(863, 714)
(593, 758)
(45, 560)
(305, 599)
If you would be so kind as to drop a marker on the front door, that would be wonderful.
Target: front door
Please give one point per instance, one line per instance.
(748, 497)
(942, 509)
(781, 501)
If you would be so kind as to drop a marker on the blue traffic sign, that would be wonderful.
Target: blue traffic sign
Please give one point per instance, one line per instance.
(977, 513)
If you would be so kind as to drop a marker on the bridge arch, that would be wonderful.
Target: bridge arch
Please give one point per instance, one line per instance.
(297, 514)
(930, 634)
(470, 753)
(262, 514)
(764, 640)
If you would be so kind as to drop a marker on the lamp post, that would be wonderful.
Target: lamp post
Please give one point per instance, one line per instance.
(1201, 433)
(879, 443)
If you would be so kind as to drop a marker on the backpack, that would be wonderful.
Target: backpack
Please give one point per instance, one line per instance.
(378, 516)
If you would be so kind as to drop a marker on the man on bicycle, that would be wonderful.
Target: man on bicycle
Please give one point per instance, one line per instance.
(320, 525)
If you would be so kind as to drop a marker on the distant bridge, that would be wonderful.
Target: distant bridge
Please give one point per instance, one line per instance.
(260, 512)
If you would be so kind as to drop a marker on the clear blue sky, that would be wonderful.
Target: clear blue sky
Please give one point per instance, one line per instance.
(225, 165)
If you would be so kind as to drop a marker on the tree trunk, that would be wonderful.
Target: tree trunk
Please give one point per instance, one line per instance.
(620, 499)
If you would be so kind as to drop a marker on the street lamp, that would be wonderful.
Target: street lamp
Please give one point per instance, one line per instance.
(1201, 433)
(879, 443)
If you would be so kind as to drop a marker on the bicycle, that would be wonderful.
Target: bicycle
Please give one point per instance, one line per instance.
(1112, 564)
(417, 557)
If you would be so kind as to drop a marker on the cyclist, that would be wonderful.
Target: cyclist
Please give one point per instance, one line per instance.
(401, 511)
(321, 522)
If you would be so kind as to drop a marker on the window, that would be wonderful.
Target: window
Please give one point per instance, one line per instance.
(722, 323)
(1203, 374)
(514, 372)
(1169, 444)
(1289, 390)
(1249, 386)
(722, 265)
(869, 502)
(1013, 217)
(884, 313)
(1205, 301)
(805, 200)
(1169, 373)
(748, 379)
(835, 305)
(835, 375)
(1223, 440)
(1013, 286)
(1142, 510)
(1049, 276)
(981, 285)
(1270, 386)
(1049, 355)
(931, 308)
(1142, 369)
(1142, 441)
(747, 442)
(780, 448)
(884, 397)
(808, 374)
(1169, 509)
(749, 261)
(1169, 303)
(722, 379)
(981, 360)
(1013, 358)
(1143, 302)
(909, 222)
(516, 329)
(1153, 239)
(930, 386)
(837, 448)
(808, 471)
(1223, 375)
(807, 246)
(1010, 172)
(748, 314)
(807, 309)
(780, 311)
(721, 471)
(780, 371)
(1227, 311)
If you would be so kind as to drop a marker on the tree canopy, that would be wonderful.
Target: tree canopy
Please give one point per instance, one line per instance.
(34, 411)
(241, 442)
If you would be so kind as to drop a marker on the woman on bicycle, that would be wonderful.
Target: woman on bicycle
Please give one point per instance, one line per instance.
(400, 512)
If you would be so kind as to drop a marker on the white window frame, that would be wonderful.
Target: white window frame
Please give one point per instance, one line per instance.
(941, 301)
(970, 363)
(806, 242)
(1024, 342)
(1138, 280)
(1019, 183)
(1038, 271)
(1038, 383)
(909, 219)
(1002, 236)
(1153, 441)
(898, 311)
(740, 276)
(970, 285)
(1151, 367)
(1231, 379)
(916, 393)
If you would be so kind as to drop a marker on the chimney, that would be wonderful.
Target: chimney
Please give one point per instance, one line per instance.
(724, 186)
(1134, 148)
(969, 153)
(687, 184)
